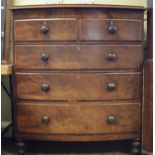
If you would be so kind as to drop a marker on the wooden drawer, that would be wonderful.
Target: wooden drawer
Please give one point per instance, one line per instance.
(111, 30)
(78, 56)
(55, 29)
(77, 86)
(94, 118)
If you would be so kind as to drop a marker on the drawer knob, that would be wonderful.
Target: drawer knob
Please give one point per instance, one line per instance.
(111, 86)
(112, 56)
(112, 28)
(44, 57)
(44, 29)
(45, 119)
(111, 119)
(45, 87)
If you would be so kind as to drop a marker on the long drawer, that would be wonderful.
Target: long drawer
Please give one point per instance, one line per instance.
(94, 118)
(77, 86)
(78, 56)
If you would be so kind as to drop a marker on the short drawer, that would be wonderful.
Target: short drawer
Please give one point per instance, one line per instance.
(78, 56)
(111, 30)
(77, 86)
(93, 118)
(46, 29)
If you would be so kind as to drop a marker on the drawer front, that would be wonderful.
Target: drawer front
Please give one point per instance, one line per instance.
(78, 57)
(77, 86)
(95, 118)
(111, 30)
(46, 30)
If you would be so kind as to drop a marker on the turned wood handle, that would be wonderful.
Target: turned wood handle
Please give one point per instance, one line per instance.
(44, 29)
(111, 119)
(45, 87)
(45, 119)
(44, 57)
(111, 86)
(112, 56)
(112, 28)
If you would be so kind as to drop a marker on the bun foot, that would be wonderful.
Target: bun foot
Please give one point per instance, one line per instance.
(135, 147)
(21, 147)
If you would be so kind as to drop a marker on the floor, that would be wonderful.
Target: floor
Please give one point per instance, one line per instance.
(61, 148)
(66, 148)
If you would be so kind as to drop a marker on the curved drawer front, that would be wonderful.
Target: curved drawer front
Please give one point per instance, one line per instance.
(78, 57)
(77, 86)
(111, 30)
(46, 29)
(95, 118)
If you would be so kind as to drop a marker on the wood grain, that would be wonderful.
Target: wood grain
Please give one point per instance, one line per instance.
(77, 118)
(78, 57)
(59, 30)
(77, 86)
(78, 138)
(148, 107)
(147, 117)
(75, 13)
(97, 29)
(65, 87)
(147, 128)
(7, 33)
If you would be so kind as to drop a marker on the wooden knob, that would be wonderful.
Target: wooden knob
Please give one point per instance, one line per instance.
(112, 28)
(111, 86)
(112, 56)
(45, 119)
(44, 29)
(44, 57)
(111, 119)
(45, 87)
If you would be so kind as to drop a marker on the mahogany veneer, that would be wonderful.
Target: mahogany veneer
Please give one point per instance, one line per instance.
(78, 73)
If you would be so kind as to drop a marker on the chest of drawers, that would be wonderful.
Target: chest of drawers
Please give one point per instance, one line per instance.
(77, 73)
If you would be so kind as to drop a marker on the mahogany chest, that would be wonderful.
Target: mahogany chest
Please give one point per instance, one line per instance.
(78, 73)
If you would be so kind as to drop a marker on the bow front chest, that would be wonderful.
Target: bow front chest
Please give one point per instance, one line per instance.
(77, 72)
